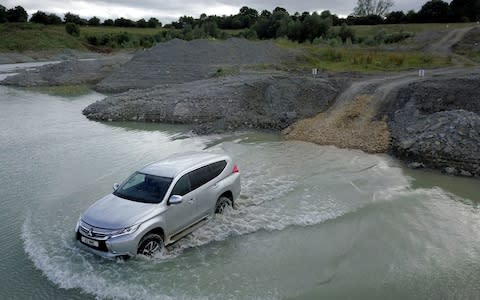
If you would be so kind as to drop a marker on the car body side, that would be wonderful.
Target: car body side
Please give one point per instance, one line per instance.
(168, 220)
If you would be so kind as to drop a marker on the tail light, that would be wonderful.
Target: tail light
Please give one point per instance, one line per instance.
(235, 169)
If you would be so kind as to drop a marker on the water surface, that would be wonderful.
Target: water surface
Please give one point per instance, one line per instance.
(312, 222)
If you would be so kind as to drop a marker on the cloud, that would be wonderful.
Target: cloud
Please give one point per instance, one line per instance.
(168, 11)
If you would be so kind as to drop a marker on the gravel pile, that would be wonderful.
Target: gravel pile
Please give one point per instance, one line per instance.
(219, 104)
(179, 61)
(70, 72)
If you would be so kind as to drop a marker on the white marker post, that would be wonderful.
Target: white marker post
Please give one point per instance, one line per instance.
(421, 73)
(314, 72)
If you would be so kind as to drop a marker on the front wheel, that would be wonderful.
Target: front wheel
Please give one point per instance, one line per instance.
(150, 245)
(222, 203)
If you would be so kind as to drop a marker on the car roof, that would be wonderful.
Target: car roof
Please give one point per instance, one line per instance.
(177, 163)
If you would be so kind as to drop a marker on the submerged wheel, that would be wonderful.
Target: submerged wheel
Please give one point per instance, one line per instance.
(150, 244)
(222, 203)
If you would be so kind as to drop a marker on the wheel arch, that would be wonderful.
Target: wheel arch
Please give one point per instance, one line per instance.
(156, 230)
(227, 194)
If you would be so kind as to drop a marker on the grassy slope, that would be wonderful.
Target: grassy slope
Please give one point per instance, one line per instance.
(23, 37)
(108, 29)
(369, 30)
(361, 59)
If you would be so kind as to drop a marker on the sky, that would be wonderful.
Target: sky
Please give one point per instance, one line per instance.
(168, 11)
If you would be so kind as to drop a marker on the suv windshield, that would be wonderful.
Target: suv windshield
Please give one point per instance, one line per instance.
(144, 188)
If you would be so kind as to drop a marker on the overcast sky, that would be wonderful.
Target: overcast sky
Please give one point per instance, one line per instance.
(167, 11)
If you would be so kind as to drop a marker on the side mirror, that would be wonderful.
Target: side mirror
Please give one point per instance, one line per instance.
(115, 186)
(175, 199)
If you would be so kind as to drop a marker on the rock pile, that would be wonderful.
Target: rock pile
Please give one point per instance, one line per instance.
(179, 61)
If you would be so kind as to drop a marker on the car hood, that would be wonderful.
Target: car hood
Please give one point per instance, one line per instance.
(112, 212)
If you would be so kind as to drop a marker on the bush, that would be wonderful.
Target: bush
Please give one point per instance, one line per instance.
(122, 38)
(397, 37)
(396, 59)
(72, 29)
(92, 40)
(332, 55)
(346, 33)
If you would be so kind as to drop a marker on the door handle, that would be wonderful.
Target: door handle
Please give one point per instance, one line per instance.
(191, 200)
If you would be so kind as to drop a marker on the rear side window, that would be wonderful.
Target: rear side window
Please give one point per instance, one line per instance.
(204, 174)
(216, 168)
(182, 187)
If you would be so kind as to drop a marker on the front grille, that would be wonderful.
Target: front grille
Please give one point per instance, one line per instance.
(102, 246)
(92, 232)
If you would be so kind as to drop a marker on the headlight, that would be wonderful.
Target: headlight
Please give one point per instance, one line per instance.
(78, 223)
(125, 231)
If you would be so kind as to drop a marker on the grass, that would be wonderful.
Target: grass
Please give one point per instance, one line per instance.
(112, 29)
(26, 36)
(364, 31)
(63, 90)
(369, 60)
(20, 37)
(360, 59)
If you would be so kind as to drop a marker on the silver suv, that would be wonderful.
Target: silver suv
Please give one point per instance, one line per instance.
(159, 204)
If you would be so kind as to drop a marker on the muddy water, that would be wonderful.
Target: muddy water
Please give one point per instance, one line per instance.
(312, 222)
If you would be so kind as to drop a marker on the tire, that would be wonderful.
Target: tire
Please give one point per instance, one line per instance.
(222, 203)
(150, 244)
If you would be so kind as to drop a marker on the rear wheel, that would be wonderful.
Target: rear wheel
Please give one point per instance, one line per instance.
(222, 203)
(150, 245)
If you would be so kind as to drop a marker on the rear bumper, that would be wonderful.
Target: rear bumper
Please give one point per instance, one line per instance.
(236, 187)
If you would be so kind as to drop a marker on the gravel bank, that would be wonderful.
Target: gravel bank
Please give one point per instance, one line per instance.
(429, 122)
(218, 104)
(436, 124)
(68, 72)
(179, 61)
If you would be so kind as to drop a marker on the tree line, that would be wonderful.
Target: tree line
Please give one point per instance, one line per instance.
(367, 12)
(19, 15)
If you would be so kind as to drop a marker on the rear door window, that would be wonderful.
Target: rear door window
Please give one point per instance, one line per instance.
(217, 168)
(204, 174)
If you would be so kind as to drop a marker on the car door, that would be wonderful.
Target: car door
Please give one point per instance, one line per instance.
(207, 178)
(198, 179)
(179, 216)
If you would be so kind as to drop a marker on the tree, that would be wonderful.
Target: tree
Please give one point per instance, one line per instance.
(3, 14)
(17, 14)
(142, 23)
(434, 11)
(153, 23)
(94, 21)
(39, 17)
(372, 7)
(314, 26)
(122, 22)
(54, 19)
(346, 33)
(248, 16)
(42, 18)
(108, 22)
(72, 18)
(465, 9)
(396, 17)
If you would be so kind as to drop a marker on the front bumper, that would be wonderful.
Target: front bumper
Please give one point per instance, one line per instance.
(109, 247)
